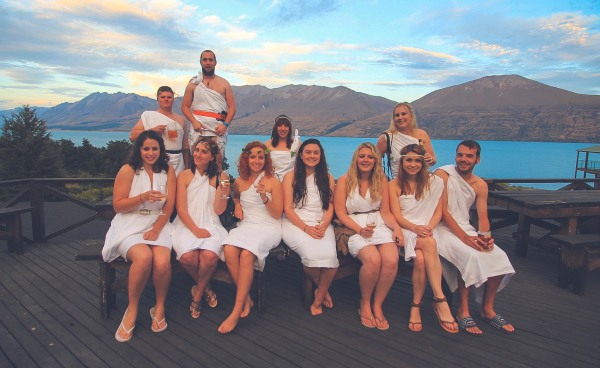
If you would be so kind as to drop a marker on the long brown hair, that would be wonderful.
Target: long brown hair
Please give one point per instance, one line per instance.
(423, 181)
(321, 177)
(279, 121)
(375, 177)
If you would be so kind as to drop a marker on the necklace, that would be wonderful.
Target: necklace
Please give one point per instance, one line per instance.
(208, 82)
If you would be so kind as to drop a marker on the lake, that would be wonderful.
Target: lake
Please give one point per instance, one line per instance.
(499, 159)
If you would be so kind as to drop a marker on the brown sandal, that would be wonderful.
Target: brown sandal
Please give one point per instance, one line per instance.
(196, 308)
(443, 323)
(415, 326)
(211, 298)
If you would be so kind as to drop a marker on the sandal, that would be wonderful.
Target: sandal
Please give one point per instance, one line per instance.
(498, 322)
(443, 323)
(127, 332)
(158, 323)
(196, 308)
(467, 322)
(382, 322)
(211, 298)
(415, 326)
(368, 322)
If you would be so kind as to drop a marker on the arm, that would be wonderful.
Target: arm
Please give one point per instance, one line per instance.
(288, 205)
(274, 206)
(471, 241)
(185, 148)
(339, 203)
(167, 208)
(437, 215)
(186, 103)
(220, 203)
(222, 128)
(429, 155)
(238, 212)
(136, 131)
(382, 145)
(121, 201)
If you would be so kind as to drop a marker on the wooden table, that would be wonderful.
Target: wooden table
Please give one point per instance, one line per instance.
(533, 206)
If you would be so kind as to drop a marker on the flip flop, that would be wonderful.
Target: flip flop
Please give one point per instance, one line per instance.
(364, 319)
(160, 329)
(497, 322)
(465, 323)
(383, 322)
(127, 332)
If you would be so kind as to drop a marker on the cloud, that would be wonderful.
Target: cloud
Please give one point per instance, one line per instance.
(236, 34)
(488, 49)
(103, 84)
(213, 20)
(415, 58)
(296, 10)
(28, 74)
(148, 83)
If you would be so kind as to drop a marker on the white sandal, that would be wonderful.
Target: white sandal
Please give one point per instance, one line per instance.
(119, 338)
(152, 314)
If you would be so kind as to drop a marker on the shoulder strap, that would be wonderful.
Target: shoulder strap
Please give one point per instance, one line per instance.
(388, 151)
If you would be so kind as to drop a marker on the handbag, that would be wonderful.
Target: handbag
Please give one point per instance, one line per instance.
(227, 218)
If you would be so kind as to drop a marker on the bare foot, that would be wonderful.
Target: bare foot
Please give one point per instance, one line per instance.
(316, 308)
(247, 305)
(327, 302)
(492, 314)
(229, 324)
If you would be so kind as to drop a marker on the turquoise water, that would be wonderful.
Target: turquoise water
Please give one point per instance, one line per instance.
(513, 160)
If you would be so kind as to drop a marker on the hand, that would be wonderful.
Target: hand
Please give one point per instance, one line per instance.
(201, 233)
(160, 129)
(423, 231)
(365, 232)
(315, 232)
(225, 189)
(151, 235)
(473, 242)
(261, 189)
(398, 237)
(238, 212)
(488, 244)
(198, 127)
(221, 129)
(428, 158)
(152, 196)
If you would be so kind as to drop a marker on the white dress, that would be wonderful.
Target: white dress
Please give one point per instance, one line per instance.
(200, 206)
(399, 141)
(258, 232)
(128, 229)
(151, 119)
(381, 234)
(283, 161)
(475, 267)
(313, 252)
(419, 213)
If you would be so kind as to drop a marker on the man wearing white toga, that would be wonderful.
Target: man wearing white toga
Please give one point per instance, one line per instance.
(208, 104)
(469, 257)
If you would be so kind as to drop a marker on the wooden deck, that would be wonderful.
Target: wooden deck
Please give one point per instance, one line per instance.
(49, 317)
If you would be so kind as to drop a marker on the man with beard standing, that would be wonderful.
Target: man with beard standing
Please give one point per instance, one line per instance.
(208, 104)
(469, 257)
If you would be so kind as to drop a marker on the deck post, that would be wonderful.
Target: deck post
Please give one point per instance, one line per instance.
(36, 197)
(521, 235)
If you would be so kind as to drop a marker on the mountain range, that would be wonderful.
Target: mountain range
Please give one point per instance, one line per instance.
(505, 107)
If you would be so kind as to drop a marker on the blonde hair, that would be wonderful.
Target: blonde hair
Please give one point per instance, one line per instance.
(423, 176)
(413, 123)
(375, 178)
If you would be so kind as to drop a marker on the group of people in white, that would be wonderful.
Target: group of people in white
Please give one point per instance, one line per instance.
(285, 192)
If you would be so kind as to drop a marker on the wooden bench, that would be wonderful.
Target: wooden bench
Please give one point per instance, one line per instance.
(579, 254)
(349, 266)
(110, 286)
(13, 235)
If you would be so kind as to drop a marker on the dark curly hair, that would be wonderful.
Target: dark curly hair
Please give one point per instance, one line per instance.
(321, 177)
(135, 156)
(242, 162)
(212, 168)
(279, 121)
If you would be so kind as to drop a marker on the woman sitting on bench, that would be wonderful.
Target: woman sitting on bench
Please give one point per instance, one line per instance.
(362, 204)
(197, 232)
(415, 202)
(258, 201)
(143, 198)
(307, 230)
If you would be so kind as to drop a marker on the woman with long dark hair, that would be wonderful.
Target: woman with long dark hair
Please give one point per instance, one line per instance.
(362, 204)
(197, 232)
(307, 230)
(283, 146)
(258, 201)
(143, 198)
(415, 199)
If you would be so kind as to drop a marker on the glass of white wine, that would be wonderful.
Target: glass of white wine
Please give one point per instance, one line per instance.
(320, 218)
(371, 221)
(163, 196)
(224, 179)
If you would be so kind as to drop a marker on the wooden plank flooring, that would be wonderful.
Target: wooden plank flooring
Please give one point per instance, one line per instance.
(49, 317)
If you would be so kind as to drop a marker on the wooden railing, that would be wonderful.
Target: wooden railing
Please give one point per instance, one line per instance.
(38, 188)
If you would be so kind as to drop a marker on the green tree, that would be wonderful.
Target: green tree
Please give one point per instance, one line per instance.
(26, 149)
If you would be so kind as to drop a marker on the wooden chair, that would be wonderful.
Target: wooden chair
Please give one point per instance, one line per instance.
(579, 254)
(13, 233)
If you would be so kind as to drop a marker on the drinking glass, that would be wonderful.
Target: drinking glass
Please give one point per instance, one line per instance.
(224, 179)
(371, 221)
(320, 218)
(172, 130)
(163, 197)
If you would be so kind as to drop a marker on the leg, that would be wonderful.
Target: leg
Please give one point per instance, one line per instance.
(367, 278)
(463, 305)
(161, 278)
(433, 266)
(325, 279)
(419, 281)
(233, 258)
(190, 262)
(389, 269)
(208, 261)
(245, 276)
(140, 257)
(489, 294)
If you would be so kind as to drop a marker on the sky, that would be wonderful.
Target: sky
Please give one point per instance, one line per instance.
(54, 51)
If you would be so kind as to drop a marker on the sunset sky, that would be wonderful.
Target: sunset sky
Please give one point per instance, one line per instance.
(63, 50)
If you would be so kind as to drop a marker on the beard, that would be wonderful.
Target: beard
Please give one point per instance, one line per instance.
(208, 73)
(465, 172)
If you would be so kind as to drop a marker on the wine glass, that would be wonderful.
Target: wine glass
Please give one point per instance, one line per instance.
(320, 218)
(224, 180)
(371, 221)
(163, 196)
